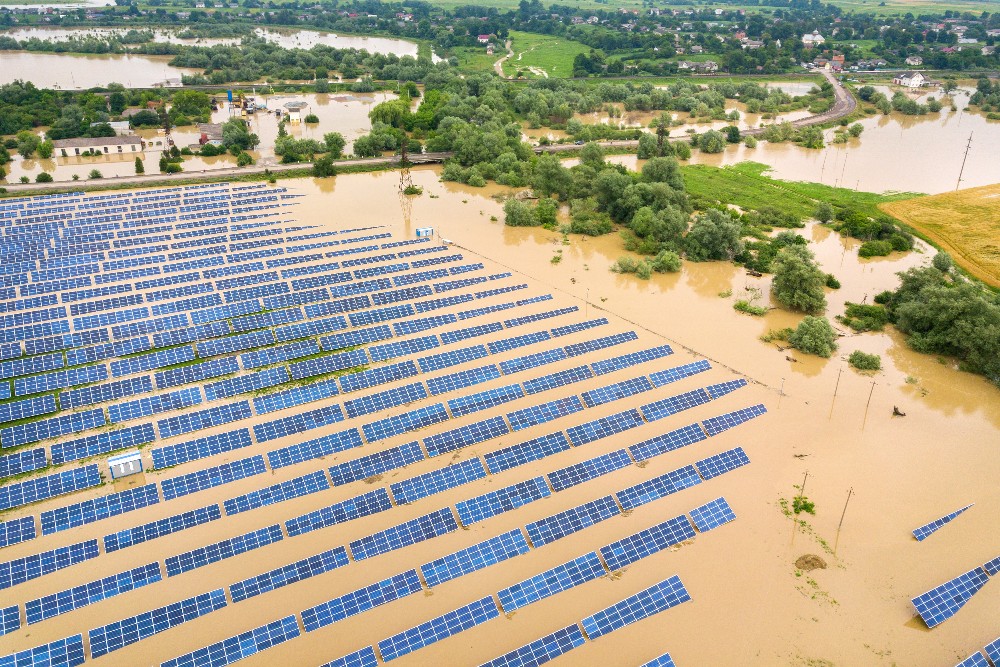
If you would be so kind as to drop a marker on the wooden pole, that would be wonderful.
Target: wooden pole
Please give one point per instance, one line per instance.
(802, 489)
(865, 421)
(850, 492)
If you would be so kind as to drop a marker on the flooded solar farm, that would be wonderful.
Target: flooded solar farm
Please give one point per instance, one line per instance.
(375, 428)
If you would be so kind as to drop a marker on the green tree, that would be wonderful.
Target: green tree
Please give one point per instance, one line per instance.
(856, 129)
(648, 147)
(140, 168)
(824, 212)
(27, 143)
(666, 261)
(663, 170)
(712, 142)
(551, 177)
(942, 262)
(244, 159)
(798, 281)
(45, 149)
(714, 236)
(323, 167)
(335, 143)
(682, 150)
(236, 136)
(518, 214)
(814, 335)
(546, 211)
(311, 119)
(592, 155)
(865, 362)
(733, 134)
(43, 178)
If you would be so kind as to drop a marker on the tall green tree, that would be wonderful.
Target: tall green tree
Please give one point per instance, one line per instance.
(798, 281)
(714, 236)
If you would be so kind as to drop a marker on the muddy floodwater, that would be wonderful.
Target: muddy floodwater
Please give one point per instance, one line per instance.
(69, 71)
(824, 419)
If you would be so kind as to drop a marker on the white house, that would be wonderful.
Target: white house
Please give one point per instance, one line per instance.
(121, 127)
(914, 61)
(101, 145)
(813, 39)
(909, 79)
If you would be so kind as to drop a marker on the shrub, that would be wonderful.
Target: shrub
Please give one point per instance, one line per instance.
(942, 262)
(865, 362)
(244, 159)
(862, 317)
(643, 271)
(43, 178)
(312, 118)
(875, 249)
(545, 213)
(832, 282)
(745, 306)
(94, 173)
(518, 214)
(323, 167)
(666, 261)
(814, 335)
(802, 504)
(625, 264)
(750, 141)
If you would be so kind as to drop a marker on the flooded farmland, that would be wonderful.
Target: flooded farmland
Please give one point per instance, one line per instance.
(902, 472)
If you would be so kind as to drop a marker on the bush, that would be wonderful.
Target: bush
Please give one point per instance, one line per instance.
(140, 168)
(814, 335)
(323, 167)
(682, 150)
(94, 173)
(942, 262)
(824, 212)
(798, 282)
(643, 271)
(545, 213)
(712, 142)
(43, 178)
(750, 141)
(832, 282)
(244, 159)
(745, 306)
(865, 362)
(625, 264)
(666, 261)
(312, 119)
(518, 214)
(862, 317)
(875, 249)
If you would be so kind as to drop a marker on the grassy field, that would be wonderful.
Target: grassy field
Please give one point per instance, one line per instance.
(544, 53)
(964, 223)
(888, 7)
(746, 185)
(474, 59)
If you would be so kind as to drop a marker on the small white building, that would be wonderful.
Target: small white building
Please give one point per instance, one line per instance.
(910, 79)
(295, 109)
(914, 61)
(121, 127)
(99, 145)
(812, 39)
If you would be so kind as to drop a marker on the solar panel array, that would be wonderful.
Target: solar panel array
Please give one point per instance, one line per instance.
(925, 531)
(185, 328)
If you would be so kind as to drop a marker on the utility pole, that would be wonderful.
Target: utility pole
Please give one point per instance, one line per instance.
(850, 492)
(964, 158)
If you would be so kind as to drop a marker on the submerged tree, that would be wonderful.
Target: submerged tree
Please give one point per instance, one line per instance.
(798, 281)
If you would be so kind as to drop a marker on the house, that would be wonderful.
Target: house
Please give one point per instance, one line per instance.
(988, 50)
(751, 44)
(909, 79)
(210, 133)
(914, 61)
(121, 127)
(993, 32)
(100, 145)
(483, 39)
(697, 49)
(812, 39)
(295, 109)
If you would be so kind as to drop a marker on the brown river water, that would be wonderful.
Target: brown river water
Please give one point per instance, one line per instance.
(749, 607)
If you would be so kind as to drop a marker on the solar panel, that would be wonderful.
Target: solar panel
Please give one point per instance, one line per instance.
(484, 400)
(923, 532)
(442, 302)
(717, 425)
(542, 650)
(544, 412)
(10, 620)
(477, 312)
(361, 658)
(196, 372)
(326, 325)
(384, 400)
(239, 646)
(576, 349)
(229, 344)
(647, 542)
(146, 362)
(363, 599)
(192, 450)
(556, 580)
(993, 651)
(404, 423)
(439, 628)
(525, 452)
(167, 526)
(279, 353)
(96, 509)
(587, 470)
(400, 348)
(377, 376)
(719, 464)
(448, 441)
(17, 530)
(524, 363)
(63, 602)
(294, 488)
(974, 660)
(421, 486)
(104, 393)
(59, 379)
(376, 464)
(31, 407)
(358, 337)
(617, 391)
(289, 574)
(604, 427)
(462, 379)
(478, 556)
(559, 379)
(102, 443)
(658, 487)
(64, 653)
(661, 661)
(506, 344)
(246, 383)
(560, 525)
(712, 515)
(31, 567)
(377, 315)
(992, 567)
(366, 504)
(518, 321)
(211, 477)
(151, 405)
(298, 423)
(128, 631)
(417, 530)
(457, 335)
(502, 500)
(222, 550)
(39, 364)
(939, 604)
(667, 442)
(580, 326)
(436, 362)
(16, 494)
(193, 421)
(664, 595)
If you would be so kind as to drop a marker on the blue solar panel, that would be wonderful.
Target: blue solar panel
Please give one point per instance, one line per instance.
(667, 442)
(17, 530)
(150, 531)
(541, 650)
(96, 509)
(314, 482)
(361, 600)
(400, 348)
(361, 658)
(713, 466)
(404, 423)
(664, 595)
(64, 653)
(559, 379)
(151, 405)
(674, 404)
(525, 452)
(25, 461)
(993, 651)
(328, 364)
(31, 567)
(384, 400)
(717, 425)
(923, 532)
(228, 344)
(993, 566)
(560, 525)
(171, 455)
(421, 486)
(617, 391)
(669, 375)
(604, 427)
(239, 646)
(448, 441)
(120, 634)
(442, 302)
(102, 443)
(939, 604)
(376, 464)
(381, 314)
(411, 532)
(39, 364)
(212, 477)
(556, 580)
(193, 421)
(544, 412)
(484, 400)
(587, 470)
(580, 326)
(377, 376)
(247, 383)
(502, 500)
(59, 379)
(222, 550)
(478, 556)
(519, 364)
(658, 487)
(313, 449)
(63, 602)
(462, 379)
(40, 488)
(366, 504)
(518, 321)
(145, 362)
(723, 388)
(289, 574)
(279, 353)
(414, 326)
(326, 325)
(103, 393)
(975, 660)
(436, 362)
(196, 372)
(712, 515)
(439, 628)
(647, 542)
(577, 349)
(503, 345)
(10, 620)
(297, 396)
(298, 423)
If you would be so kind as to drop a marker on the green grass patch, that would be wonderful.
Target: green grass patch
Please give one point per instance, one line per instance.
(542, 53)
(474, 59)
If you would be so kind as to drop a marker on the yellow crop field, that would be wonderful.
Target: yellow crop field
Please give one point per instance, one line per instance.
(965, 223)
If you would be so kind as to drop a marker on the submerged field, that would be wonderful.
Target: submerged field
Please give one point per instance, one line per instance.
(966, 223)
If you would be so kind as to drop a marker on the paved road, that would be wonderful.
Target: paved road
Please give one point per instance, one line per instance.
(844, 104)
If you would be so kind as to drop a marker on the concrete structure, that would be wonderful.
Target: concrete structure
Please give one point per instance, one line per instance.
(295, 110)
(126, 464)
(813, 39)
(100, 145)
